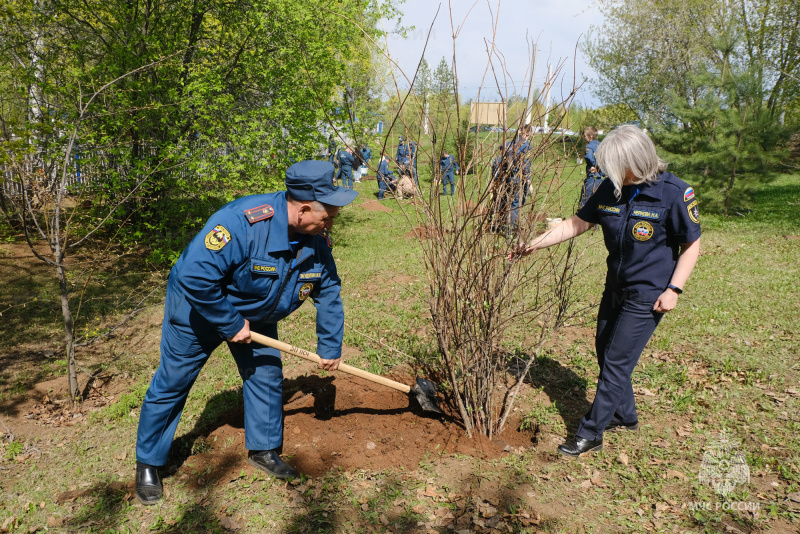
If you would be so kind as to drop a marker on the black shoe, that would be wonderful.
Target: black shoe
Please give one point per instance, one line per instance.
(614, 425)
(271, 463)
(148, 484)
(578, 446)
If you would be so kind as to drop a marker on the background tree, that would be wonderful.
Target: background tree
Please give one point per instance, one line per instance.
(210, 100)
(44, 178)
(712, 80)
(726, 136)
(606, 117)
(444, 104)
(423, 87)
(251, 83)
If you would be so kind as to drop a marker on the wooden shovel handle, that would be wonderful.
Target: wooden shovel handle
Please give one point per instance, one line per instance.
(310, 356)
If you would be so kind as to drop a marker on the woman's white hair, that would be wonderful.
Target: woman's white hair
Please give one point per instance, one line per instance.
(627, 148)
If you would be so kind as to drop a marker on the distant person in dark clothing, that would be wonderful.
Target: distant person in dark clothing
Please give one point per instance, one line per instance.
(403, 154)
(332, 150)
(366, 157)
(346, 167)
(412, 149)
(448, 166)
(386, 179)
(593, 173)
(517, 171)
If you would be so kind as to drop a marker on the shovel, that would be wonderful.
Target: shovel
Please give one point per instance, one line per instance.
(424, 391)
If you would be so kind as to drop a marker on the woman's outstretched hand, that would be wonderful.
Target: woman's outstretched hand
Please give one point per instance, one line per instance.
(520, 250)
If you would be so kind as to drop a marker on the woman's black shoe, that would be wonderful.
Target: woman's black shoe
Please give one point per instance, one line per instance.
(578, 446)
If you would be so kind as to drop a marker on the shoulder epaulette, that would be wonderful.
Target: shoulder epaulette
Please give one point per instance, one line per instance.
(259, 213)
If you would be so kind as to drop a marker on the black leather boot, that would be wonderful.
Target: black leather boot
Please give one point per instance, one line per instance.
(148, 484)
(578, 446)
(271, 463)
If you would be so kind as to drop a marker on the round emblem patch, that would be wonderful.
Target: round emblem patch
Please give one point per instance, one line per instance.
(305, 291)
(694, 213)
(217, 238)
(642, 231)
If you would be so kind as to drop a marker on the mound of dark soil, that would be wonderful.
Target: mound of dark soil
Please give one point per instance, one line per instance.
(342, 422)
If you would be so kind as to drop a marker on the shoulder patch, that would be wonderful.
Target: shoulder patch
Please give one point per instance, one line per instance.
(688, 194)
(259, 213)
(217, 238)
(694, 213)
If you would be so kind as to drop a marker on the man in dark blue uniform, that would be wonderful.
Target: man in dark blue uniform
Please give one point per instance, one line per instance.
(518, 162)
(332, 153)
(386, 179)
(593, 173)
(651, 229)
(346, 161)
(447, 166)
(256, 261)
(366, 158)
(402, 153)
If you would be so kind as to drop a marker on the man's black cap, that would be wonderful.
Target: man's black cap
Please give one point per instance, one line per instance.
(313, 180)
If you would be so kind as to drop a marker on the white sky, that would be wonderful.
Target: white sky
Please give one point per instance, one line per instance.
(557, 26)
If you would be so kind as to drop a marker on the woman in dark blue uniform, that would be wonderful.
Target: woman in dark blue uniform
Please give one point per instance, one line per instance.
(651, 228)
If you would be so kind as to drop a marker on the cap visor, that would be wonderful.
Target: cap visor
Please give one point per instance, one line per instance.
(342, 196)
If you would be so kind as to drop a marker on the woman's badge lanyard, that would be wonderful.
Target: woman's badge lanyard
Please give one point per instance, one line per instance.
(633, 193)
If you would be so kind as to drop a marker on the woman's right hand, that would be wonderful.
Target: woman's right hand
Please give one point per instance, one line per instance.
(520, 250)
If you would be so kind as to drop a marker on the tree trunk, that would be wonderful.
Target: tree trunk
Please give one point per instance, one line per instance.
(69, 342)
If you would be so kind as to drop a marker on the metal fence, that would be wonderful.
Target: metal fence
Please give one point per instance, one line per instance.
(88, 168)
(34, 169)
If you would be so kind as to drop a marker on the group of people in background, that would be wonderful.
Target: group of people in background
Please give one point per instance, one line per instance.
(511, 172)
(352, 163)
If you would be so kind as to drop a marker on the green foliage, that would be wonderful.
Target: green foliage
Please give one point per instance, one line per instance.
(212, 100)
(13, 449)
(725, 140)
(606, 117)
(715, 81)
(647, 50)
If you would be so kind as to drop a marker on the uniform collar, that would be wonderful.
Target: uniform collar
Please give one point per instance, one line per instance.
(279, 233)
(653, 190)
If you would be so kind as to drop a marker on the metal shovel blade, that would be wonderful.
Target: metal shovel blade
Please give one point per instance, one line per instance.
(425, 392)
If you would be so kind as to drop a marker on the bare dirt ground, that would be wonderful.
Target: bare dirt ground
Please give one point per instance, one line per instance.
(375, 205)
(341, 422)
